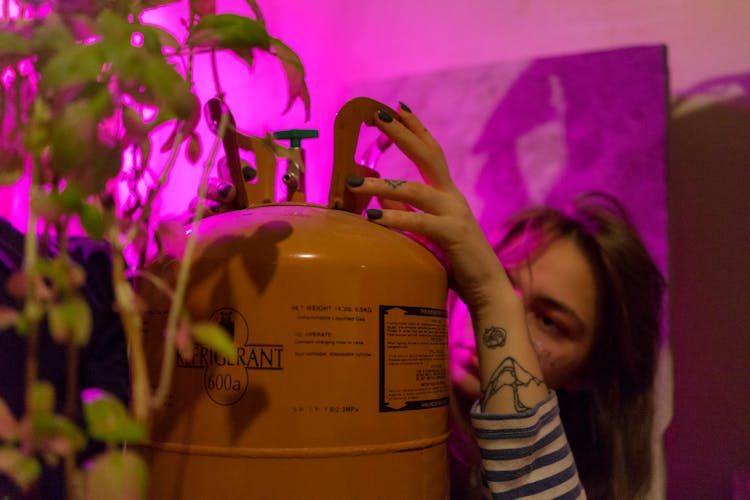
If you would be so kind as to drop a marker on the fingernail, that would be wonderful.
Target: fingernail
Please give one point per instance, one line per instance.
(404, 107)
(214, 207)
(384, 116)
(374, 213)
(224, 191)
(249, 173)
(355, 181)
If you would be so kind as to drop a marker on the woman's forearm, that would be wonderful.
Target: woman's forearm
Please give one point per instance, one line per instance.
(510, 376)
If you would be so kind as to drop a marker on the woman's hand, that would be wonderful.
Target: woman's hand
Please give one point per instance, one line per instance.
(221, 191)
(442, 213)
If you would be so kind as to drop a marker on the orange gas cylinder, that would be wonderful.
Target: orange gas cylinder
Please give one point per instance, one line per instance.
(338, 388)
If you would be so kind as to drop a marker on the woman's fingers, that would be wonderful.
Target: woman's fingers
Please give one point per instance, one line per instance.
(220, 190)
(212, 207)
(415, 194)
(416, 143)
(395, 205)
(428, 225)
(416, 126)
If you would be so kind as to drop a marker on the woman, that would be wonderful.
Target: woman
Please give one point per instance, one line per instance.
(584, 323)
(593, 298)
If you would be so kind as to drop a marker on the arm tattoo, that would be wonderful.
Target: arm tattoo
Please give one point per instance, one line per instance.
(494, 336)
(394, 183)
(512, 375)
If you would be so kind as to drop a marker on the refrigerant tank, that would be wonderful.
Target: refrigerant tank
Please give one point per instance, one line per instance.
(338, 388)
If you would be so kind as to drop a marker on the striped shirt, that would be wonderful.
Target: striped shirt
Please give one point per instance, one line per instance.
(526, 455)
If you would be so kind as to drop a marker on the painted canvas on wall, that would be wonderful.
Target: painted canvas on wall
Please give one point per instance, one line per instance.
(542, 131)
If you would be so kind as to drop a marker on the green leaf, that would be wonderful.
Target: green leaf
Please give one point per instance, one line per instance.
(101, 164)
(71, 320)
(74, 134)
(58, 432)
(229, 31)
(256, 11)
(58, 327)
(11, 166)
(76, 65)
(13, 48)
(153, 35)
(78, 315)
(36, 139)
(194, 149)
(92, 221)
(214, 337)
(108, 419)
(295, 75)
(23, 470)
(52, 35)
(71, 198)
(42, 401)
(143, 71)
(116, 475)
(165, 85)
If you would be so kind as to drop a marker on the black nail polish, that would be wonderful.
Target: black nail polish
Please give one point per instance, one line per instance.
(214, 207)
(355, 181)
(224, 191)
(384, 116)
(374, 213)
(404, 107)
(248, 173)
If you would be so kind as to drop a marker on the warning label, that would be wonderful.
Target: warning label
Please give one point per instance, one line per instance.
(413, 358)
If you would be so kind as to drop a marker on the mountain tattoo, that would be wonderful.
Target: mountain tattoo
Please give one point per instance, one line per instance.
(509, 374)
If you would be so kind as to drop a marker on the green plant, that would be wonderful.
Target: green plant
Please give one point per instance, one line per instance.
(85, 83)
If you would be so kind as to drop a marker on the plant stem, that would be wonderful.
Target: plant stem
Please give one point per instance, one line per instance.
(70, 476)
(30, 258)
(131, 318)
(191, 21)
(167, 366)
(215, 71)
(70, 409)
(133, 326)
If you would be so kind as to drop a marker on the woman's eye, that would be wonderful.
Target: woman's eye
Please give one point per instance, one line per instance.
(547, 323)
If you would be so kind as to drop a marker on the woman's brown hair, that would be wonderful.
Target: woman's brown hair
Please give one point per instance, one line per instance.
(608, 422)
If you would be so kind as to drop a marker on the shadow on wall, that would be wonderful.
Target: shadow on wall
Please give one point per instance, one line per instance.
(709, 213)
(593, 121)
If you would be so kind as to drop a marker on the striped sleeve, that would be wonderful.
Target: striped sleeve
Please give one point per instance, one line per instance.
(527, 455)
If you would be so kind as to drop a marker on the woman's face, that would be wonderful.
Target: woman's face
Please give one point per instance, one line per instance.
(559, 291)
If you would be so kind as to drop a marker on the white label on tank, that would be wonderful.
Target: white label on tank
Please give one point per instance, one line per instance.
(413, 358)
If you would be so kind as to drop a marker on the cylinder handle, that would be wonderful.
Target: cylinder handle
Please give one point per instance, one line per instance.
(346, 128)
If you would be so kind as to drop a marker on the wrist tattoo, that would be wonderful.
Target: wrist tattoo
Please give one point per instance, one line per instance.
(394, 183)
(511, 376)
(494, 337)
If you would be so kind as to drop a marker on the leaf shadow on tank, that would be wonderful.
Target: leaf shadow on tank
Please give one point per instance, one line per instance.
(259, 254)
(259, 257)
(252, 404)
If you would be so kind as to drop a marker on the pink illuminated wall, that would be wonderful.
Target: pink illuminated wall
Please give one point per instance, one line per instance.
(544, 130)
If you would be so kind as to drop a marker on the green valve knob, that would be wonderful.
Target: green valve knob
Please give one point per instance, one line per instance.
(296, 135)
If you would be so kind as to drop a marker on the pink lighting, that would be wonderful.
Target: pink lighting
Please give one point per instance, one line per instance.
(92, 395)
(137, 39)
(13, 9)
